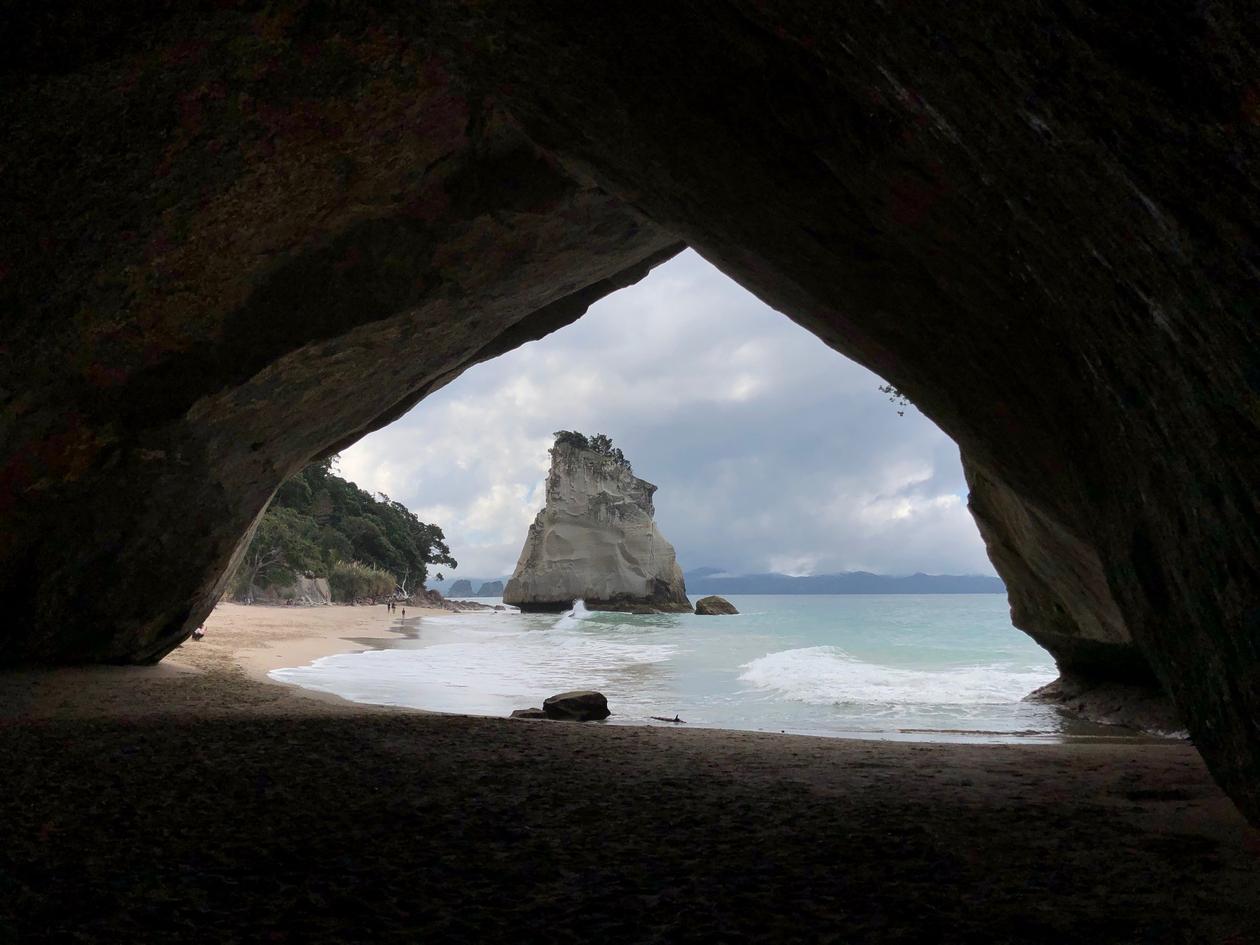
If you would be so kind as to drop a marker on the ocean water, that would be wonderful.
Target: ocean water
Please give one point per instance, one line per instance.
(928, 667)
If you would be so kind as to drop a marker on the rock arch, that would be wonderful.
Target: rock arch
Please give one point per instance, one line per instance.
(242, 239)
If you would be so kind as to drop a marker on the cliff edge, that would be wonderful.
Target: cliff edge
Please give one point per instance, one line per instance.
(595, 540)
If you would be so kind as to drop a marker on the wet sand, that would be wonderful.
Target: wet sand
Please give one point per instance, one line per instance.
(197, 801)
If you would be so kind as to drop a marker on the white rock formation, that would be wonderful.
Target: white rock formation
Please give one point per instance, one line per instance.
(595, 541)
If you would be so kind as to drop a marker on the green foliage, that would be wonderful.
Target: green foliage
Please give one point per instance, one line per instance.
(350, 580)
(319, 522)
(284, 545)
(599, 443)
(573, 438)
(895, 397)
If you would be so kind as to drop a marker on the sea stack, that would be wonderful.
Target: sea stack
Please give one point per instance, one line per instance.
(595, 539)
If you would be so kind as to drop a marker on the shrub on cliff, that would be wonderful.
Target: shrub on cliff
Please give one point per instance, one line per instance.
(318, 520)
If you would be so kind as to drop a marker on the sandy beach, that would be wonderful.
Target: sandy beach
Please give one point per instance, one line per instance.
(199, 801)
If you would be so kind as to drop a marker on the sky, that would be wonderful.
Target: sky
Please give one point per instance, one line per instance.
(771, 451)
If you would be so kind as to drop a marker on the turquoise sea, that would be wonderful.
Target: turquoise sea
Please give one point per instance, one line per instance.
(938, 667)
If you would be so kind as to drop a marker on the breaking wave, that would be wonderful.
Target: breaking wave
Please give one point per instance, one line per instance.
(826, 675)
(573, 617)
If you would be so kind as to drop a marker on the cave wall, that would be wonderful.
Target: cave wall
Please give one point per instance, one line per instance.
(240, 242)
(1056, 585)
(1060, 597)
(247, 237)
(1039, 221)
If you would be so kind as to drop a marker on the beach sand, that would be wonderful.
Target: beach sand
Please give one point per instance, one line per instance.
(197, 801)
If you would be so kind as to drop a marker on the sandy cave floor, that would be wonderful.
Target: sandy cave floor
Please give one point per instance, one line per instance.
(196, 801)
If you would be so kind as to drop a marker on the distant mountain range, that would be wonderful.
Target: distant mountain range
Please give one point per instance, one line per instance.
(468, 587)
(704, 581)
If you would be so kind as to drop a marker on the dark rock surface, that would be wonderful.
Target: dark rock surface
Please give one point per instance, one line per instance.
(490, 589)
(461, 588)
(714, 606)
(663, 602)
(243, 239)
(1140, 707)
(534, 713)
(246, 243)
(1056, 586)
(1059, 596)
(581, 705)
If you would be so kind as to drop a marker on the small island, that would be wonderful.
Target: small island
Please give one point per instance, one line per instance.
(596, 540)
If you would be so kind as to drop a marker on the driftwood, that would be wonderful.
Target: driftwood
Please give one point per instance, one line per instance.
(661, 718)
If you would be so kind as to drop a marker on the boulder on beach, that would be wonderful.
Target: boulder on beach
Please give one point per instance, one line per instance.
(534, 713)
(595, 540)
(582, 705)
(714, 606)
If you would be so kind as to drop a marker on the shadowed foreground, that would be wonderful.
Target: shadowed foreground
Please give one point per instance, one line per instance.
(378, 826)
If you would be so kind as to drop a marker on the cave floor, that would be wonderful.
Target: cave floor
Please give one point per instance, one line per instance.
(279, 818)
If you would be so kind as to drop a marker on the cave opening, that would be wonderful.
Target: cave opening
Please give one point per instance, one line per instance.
(784, 471)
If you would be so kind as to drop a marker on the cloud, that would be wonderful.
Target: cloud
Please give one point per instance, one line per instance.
(771, 451)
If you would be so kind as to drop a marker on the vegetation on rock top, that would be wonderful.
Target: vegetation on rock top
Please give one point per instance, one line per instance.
(598, 443)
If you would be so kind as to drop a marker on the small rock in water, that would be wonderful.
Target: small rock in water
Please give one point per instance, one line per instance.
(714, 606)
(534, 713)
(582, 705)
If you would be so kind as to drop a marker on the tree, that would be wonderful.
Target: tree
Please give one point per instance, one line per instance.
(318, 520)
(283, 546)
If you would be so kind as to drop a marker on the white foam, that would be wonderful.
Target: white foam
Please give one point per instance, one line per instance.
(572, 618)
(826, 675)
(476, 669)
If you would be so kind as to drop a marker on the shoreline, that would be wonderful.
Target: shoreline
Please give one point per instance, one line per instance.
(224, 673)
(244, 643)
(295, 639)
(295, 636)
(147, 801)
